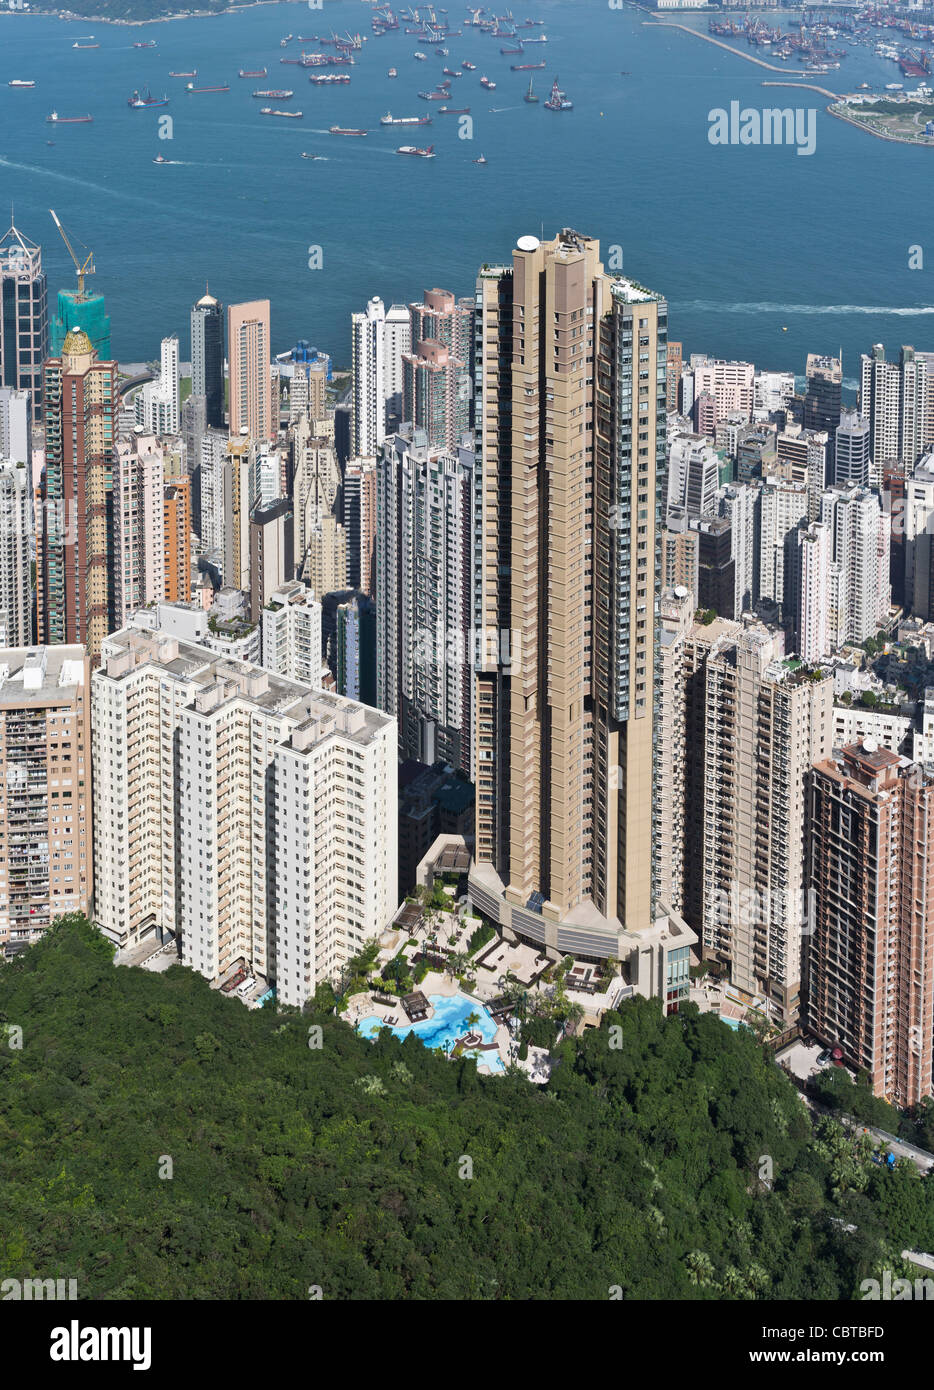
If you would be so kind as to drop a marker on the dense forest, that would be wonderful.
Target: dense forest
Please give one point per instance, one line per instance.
(160, 1141)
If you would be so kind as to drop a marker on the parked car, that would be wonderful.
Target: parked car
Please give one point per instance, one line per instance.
(246, 986)
(824, 1057)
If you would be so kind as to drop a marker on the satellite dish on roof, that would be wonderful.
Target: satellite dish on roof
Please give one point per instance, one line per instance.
(870, 745)
(528, 243)
(680, 591)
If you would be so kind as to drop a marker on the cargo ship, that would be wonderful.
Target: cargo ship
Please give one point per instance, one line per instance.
(56, 119)
(341, 130)
(507, 51)
(85, 45)
(289, 115)
(250, 72)
(20, 82)
(453, 111)
(449, 72)
(468, 67)
(485, 82)
(184, 74)
(413, 149)
(140, 100)
(525, 67)
(543, 38)
(558, 100)
(390, 119)
(191, 88)
(328, 79)
(276, 93)
(150, 44)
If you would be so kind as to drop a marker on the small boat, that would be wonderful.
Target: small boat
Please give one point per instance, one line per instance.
(289, 115)
(530, 95)
(625, 74)
(422, 57)
(481, 160)
(342, 130)
(413, 149)
(50, 142)
(311, 156)
(56, 119)
(392, 73)
(160, 159)
(248, 72)
(19, 82)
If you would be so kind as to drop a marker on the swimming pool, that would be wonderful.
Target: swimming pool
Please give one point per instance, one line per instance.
(734, 1023)
(449, 1023)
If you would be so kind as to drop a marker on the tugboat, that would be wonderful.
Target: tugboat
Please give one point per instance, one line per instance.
(530, 95)
(558, 100)
(392, 73)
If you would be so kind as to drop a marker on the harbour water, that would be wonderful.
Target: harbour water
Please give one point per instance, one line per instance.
(762, 254)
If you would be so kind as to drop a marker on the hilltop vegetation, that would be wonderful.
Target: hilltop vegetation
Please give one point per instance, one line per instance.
(347, 1166)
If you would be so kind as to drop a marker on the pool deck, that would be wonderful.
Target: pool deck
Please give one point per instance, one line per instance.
(363, 1006)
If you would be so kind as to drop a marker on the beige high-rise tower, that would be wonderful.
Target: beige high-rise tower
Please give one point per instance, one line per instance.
(570, 480)
(250, 382)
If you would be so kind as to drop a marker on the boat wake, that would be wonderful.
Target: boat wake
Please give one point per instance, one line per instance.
(708, 306)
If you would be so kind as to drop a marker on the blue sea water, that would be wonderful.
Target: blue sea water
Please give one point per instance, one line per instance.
(448, 1023)
(746, 242)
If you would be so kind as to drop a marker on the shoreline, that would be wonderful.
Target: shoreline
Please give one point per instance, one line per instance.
(69, 17)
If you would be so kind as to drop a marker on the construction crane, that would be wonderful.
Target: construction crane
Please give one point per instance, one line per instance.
(82, 270)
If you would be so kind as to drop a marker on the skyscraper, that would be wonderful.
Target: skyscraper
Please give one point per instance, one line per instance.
(207, 357)
(368, 413)
(45, 770)
(895, 397)
(138, 571)
(248, 347)
(570, 482)
(177, 538)
(397, 340)
(24, 317)
(870, 957)
(16, 530)
(157, 404)
(822, 399)
(75, 558)
(423, 596)
(852, 460)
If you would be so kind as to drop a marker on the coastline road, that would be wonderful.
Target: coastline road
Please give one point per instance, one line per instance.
(708, 38)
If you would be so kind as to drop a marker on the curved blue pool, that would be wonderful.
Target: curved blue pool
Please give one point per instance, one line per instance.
(449, 1023)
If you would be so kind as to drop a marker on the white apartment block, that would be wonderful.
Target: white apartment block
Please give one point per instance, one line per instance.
(730, 383)
(213, 460)
(783, 508)
(853, 723)
(368, 400)
(139, 529)
(291, 634)
(157, 404)
(16, 534)
(766, 721)
(693, 475)
(397, 340)
(15, 425)
(815, 630)
(252, 815)
(773, 391)
(861, 534)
